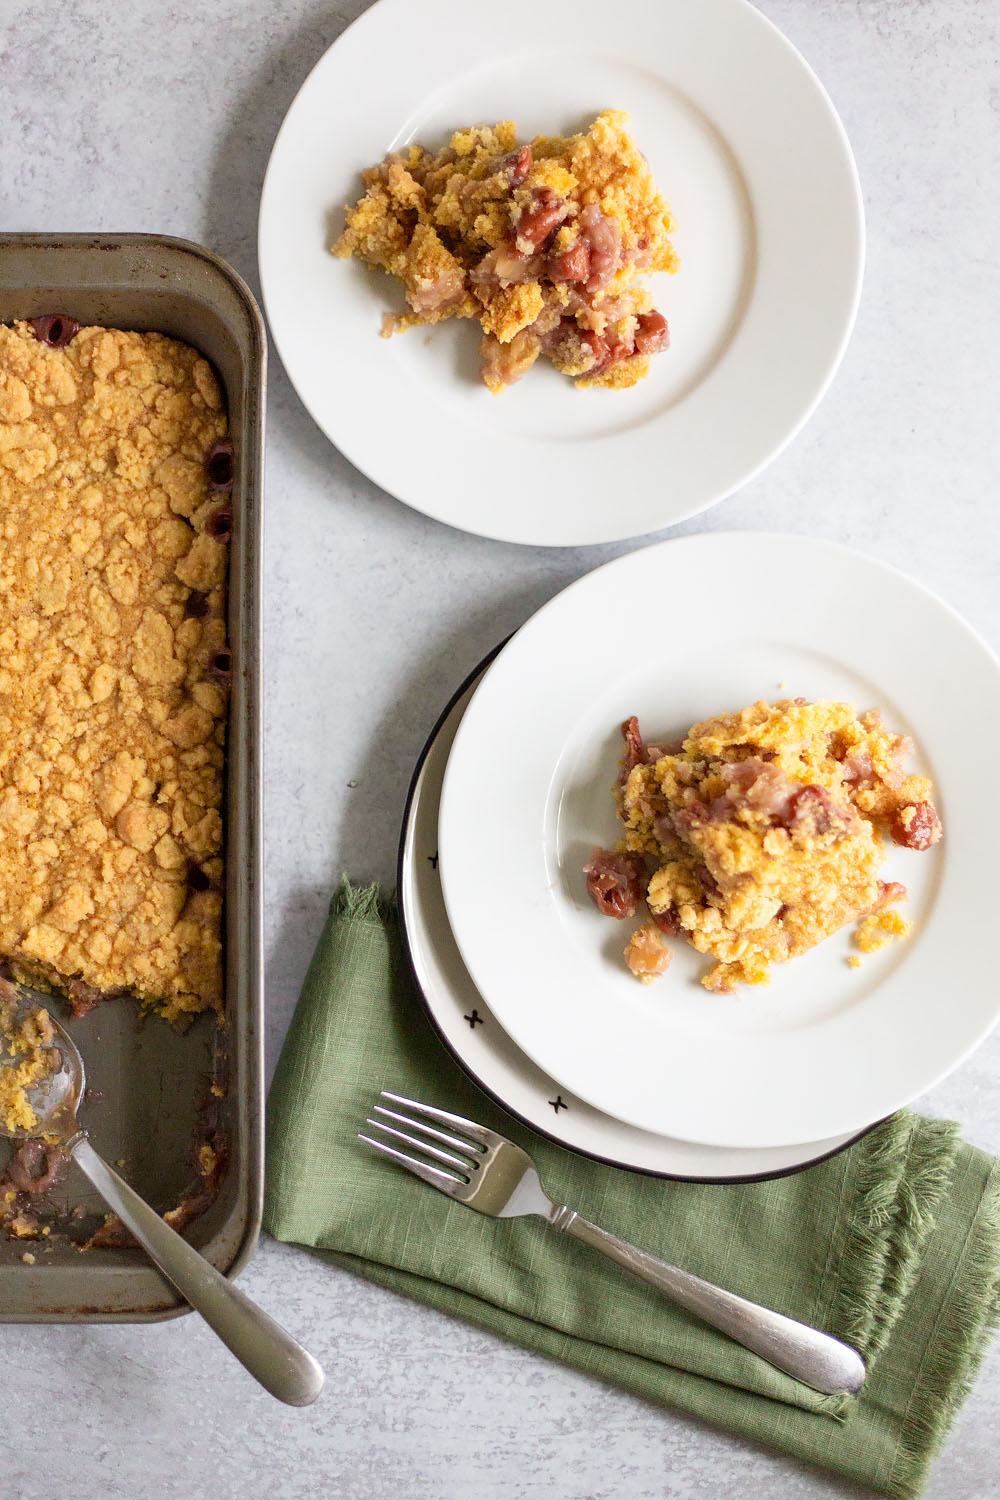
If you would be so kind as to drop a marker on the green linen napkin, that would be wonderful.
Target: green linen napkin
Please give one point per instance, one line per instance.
(893, 1245)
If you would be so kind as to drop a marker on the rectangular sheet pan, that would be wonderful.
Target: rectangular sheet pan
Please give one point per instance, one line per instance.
(145, 1083)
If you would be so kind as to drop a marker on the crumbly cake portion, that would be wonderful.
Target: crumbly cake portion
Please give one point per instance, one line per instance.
(114, 669)
(879, 928)
(542, 242)
(761, 834)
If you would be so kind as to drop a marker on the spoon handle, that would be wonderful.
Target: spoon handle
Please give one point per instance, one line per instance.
(271, 1355)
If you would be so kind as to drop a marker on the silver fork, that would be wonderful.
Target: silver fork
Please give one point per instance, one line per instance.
(487, 1172)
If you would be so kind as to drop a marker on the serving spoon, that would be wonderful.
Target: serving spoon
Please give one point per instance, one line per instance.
(270, 1354)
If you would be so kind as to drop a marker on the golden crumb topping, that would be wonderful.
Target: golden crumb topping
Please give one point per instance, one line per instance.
(113, 666)
(879, 928)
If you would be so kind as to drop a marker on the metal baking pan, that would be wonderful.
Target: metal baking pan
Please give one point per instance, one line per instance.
(147, 1083)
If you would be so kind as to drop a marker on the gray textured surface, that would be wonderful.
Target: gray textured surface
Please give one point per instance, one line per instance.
(160, 117)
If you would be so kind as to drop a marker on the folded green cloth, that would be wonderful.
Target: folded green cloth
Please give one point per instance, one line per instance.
(893, 1245)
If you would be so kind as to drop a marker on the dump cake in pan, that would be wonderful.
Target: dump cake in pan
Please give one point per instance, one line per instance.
(114, 667)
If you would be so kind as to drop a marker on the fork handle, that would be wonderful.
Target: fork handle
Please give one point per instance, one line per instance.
(800, 1351)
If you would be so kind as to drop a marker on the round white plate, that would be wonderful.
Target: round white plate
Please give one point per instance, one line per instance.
(676, 633)
(471, 1032)
(749, 151)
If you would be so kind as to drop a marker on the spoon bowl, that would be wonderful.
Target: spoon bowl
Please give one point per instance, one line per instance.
(56, 1098)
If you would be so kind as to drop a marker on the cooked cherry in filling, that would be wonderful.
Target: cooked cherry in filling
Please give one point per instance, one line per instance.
(760, 835)
(542, 242)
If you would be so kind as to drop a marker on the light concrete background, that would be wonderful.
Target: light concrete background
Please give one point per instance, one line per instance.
(160, 117)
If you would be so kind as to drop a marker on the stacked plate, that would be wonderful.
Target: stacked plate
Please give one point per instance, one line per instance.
(524, 980)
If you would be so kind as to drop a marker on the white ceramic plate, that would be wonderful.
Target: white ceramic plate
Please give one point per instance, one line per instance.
(475, 1038)
(675, 633)
(745, 144)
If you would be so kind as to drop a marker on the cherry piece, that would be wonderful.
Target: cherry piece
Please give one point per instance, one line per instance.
(55, 329)
(220, 664)
(220, 469)
(220, 523)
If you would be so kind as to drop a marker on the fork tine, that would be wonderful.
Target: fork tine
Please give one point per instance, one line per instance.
(428, 1150)
(457, 1122)
(442, 1180)
(436, 1135)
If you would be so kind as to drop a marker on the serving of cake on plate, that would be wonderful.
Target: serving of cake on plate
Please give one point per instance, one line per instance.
(760, 835)
(543, 242)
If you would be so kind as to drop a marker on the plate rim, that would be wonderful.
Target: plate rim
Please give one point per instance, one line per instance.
(718, 490)
(798, 539)
(418, 989)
